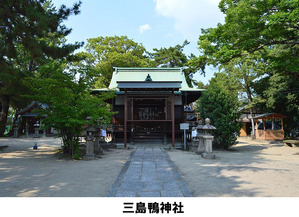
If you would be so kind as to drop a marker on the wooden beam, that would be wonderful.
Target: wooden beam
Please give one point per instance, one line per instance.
(148, 120)
(125, 119)
(148, 97)
(172, 120)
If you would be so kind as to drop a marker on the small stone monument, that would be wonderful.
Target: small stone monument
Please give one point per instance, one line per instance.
(36, 130)
(208, 139)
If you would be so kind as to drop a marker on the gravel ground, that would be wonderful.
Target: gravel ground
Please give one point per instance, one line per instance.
(248, 169)
(26, 172)
(251, 169)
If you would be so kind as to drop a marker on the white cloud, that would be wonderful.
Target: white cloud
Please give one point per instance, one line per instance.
(144, 28)
(169, 35)
(190, 16)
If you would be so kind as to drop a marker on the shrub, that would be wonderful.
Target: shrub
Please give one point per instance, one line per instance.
(221, 108)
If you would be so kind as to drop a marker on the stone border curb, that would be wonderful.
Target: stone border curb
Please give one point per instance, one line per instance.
(179, 179)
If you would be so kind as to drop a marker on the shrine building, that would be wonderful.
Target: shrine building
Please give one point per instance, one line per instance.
(150, 104)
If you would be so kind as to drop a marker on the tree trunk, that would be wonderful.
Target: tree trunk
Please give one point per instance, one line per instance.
(249, 97)
(252, 124)
(4, 105)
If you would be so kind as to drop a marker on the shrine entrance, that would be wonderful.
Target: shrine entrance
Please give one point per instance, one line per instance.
(149, 104)
(149, 109)
(148, 121)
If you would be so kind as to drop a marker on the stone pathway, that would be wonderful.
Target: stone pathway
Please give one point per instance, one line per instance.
(149, 173)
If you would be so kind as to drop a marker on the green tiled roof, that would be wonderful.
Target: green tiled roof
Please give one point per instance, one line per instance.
(156, 74)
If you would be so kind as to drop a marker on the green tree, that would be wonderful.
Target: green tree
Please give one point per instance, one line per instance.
(174, 57)
(29, 31)
(104, 53)
(245, 71)
(201, 85)
(260, 37)
(282, 94)
(226, 82)
(170, 57)
(222, 109)
(66, 91)
(251, 25)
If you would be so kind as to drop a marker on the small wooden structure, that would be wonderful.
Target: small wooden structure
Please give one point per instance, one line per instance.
(245, 120)
(30, 116)
(270, 126)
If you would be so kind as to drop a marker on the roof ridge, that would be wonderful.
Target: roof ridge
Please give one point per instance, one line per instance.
(147, 69)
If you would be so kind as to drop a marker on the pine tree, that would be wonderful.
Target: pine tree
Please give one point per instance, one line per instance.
(31, 34)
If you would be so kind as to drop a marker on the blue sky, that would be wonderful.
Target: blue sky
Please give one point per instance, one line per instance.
(154, 23)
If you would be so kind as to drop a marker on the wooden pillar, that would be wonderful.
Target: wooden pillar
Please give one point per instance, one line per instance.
(125, 119)
(264, 123)
(132, 129)
(166, 109)
(165, 124)
(172, 120)
(256, 129)
(27, 127)
(282, 136)
(132, 108)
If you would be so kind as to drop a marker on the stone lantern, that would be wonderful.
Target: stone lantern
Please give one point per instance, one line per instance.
(90, 136)
(90, 132)
(200, 133)
(36, 129)
(208, 139)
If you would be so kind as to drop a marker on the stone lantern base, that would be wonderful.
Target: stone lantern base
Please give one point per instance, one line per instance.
(36, 133)
(89, 150)
(208, 155)
(89, 157)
